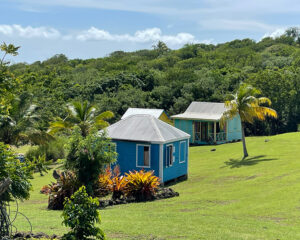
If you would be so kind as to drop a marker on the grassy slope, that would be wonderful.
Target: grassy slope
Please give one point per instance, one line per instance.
(224, 198)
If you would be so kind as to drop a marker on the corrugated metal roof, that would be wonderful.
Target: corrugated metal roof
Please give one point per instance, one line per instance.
(134, 111)
(202, 111)
(145, 128)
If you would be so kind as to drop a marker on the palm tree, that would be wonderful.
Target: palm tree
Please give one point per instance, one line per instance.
(19, 124)
(249, 107)
(82, 115)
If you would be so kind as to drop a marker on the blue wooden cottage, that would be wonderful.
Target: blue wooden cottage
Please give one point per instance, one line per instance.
(202, 121)
(145, 142)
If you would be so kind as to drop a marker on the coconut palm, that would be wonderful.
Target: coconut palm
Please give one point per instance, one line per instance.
(19, 125)
(249, 107)
(82, 115)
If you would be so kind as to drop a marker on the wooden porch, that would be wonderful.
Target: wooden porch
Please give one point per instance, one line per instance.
(208, 132)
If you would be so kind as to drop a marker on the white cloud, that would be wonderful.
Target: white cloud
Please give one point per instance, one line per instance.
(142, 36)
(29, 31)
(277, 33)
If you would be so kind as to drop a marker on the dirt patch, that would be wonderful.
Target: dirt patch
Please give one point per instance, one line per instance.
(229, 179)
(251, 177)
(207, 203)
(221, 202)
(140, 237)
(273, 219)
(190, 209)
(281, 176)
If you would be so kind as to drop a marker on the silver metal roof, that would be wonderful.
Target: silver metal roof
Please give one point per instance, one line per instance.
(202, 111)
(134, 111)
(144, 128)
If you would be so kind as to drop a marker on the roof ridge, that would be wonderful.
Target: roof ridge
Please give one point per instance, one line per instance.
(156, 129)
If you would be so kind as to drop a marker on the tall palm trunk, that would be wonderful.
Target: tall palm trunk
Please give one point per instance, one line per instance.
(244, 141)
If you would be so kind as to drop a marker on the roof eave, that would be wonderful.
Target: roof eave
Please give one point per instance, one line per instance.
(190, 118)
(153, 142)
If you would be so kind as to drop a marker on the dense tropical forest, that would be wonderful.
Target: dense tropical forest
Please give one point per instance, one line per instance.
(162, 78)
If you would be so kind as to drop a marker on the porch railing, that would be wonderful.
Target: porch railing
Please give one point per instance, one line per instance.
(221, 136)
(197, 136)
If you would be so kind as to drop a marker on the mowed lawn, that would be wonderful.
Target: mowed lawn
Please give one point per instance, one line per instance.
(224, 198)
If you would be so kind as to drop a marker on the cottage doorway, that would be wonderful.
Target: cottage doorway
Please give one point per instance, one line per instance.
(197, 131)
(204, 131)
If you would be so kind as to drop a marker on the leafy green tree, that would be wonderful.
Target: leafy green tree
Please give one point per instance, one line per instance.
(8, 83)
(89, 155)
(14, 184)
(81, 214)
(246, 104)
(82, 115)
(161, 48)
(18, 173)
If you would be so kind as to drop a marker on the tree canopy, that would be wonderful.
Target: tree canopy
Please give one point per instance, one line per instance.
(170, 79)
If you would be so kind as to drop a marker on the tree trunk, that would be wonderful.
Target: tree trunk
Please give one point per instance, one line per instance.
(244, 141)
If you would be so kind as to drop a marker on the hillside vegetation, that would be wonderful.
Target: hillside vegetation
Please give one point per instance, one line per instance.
(170, 79)
(225, 198)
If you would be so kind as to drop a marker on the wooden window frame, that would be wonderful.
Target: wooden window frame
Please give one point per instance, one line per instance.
(168, 160)
(137, 155)
(185, 156)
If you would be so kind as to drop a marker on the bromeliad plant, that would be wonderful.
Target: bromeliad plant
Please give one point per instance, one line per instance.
(141, 185)
(118, 187)
(111, 181)
(103, 184)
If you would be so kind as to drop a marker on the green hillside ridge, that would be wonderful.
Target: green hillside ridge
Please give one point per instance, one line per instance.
(225, 197)
(169, 79)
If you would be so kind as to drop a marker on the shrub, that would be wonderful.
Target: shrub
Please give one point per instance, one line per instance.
(41, 165)
(65, 186)
(14, 184)
(34, 152)
(80, 214)
(141, 185)
(53, 150)
(88, 156)
(14, 172)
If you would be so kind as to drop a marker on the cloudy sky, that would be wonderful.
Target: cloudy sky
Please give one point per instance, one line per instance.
(95, 28)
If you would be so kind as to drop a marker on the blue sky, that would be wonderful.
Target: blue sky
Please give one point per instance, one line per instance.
(95, 28)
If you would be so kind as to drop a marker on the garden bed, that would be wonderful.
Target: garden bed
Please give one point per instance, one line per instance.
(162, 193)
(26, 235)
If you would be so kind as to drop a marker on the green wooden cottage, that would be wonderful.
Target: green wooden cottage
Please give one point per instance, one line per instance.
(202, 121)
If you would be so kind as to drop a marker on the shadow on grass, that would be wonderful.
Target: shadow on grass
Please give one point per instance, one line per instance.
(249, 161)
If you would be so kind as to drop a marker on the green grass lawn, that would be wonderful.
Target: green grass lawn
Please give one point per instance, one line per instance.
(224, 198)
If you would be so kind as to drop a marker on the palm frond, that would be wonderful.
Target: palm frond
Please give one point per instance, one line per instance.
(264, 100)
(59, 126)
(104, 116)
